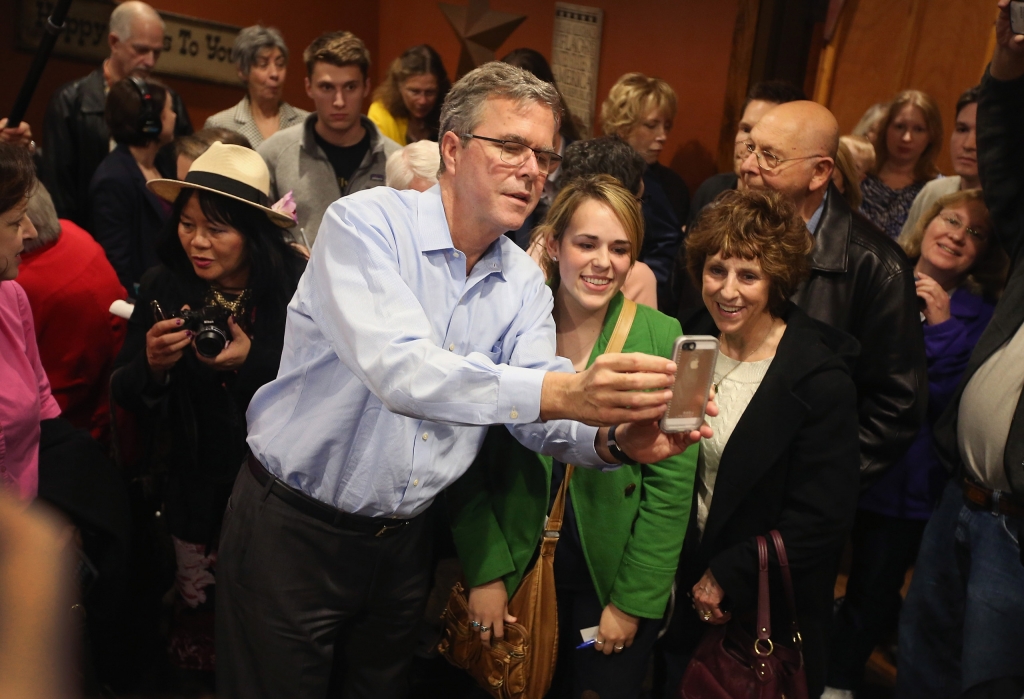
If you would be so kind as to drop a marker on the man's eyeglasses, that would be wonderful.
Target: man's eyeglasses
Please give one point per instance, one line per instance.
(766, 160)
(957, 225)
(515, 153)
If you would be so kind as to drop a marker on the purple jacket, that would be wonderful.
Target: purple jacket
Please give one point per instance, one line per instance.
(911, 488)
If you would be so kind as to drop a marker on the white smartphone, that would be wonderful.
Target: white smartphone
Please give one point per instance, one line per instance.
(1017, 16)
(695, 357)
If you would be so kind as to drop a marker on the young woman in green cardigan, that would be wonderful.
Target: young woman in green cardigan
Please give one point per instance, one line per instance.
(624, 528)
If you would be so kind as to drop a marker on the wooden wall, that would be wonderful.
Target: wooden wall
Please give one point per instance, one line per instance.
(884, 46)
(685, 42)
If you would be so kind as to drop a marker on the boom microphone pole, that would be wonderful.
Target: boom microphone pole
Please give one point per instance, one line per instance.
(53, 27)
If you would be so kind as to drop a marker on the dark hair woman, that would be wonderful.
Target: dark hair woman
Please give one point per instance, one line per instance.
(960, 271)
(784, 454)
(125, 217)
(623, 530)
(223, 251)
(25, 398)
(407, 105)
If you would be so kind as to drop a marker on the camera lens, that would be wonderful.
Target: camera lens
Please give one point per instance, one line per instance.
(689, 346)
(210, 341)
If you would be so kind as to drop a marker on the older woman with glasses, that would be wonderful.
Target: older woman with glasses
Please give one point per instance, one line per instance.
(261, 57)
(959, 274)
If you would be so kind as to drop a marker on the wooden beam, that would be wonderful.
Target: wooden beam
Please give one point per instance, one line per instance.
(738, 79)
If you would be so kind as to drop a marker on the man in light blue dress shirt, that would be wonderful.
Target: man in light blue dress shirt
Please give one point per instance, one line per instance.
(416, 325)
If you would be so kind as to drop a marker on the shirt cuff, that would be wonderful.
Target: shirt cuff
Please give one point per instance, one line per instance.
(519, 395)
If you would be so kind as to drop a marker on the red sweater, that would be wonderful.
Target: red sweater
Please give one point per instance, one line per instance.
(70, 286)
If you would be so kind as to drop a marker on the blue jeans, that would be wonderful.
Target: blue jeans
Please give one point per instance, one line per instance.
(963, 620)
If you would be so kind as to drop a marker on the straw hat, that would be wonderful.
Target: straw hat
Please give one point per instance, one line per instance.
(235, 172)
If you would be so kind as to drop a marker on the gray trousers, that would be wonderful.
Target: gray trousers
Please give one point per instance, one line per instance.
(309, 610)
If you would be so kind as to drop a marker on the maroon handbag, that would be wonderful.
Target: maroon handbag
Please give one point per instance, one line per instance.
(730, 664)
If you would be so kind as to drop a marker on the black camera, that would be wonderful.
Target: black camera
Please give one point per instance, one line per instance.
(209, 324)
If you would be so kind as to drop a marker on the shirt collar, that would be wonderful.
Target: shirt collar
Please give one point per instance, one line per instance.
(812, 224)
(435, 236)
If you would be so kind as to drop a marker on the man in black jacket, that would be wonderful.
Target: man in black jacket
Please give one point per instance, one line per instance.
(75, 136)
(860, 280)
(962, 627)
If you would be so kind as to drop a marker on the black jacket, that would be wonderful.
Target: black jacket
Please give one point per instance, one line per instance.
(862, 283)
(76, 140)
(1000, 154)
(196, 422)
(790, 464)
(125, 217)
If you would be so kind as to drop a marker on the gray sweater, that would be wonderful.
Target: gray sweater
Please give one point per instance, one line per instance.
(297, 164)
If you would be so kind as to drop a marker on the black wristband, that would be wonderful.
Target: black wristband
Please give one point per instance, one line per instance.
(617, 453)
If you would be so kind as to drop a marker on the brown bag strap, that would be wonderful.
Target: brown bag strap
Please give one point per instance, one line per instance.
(764, 614)
(622, 326)
(615, 343)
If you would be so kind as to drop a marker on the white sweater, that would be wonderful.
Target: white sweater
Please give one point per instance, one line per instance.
(735, 391)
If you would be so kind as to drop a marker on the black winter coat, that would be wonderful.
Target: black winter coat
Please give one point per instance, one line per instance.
(863, 284)
(790, 464)
(196, 421)
(76, 140)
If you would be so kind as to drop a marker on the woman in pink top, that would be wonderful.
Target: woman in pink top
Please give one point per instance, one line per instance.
(24, 389)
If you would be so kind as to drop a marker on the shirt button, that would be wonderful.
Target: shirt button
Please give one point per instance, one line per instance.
(514, 414)
(456, 254)
(416, 482)
(425, 436)
(451, 347)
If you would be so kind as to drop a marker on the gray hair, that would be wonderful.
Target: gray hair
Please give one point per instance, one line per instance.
(495, 80)
(251, 40)
(43, 216)
(126, 13)
(419, 159)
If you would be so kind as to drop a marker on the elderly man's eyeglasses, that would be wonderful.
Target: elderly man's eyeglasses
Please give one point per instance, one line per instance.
(515, 153)
(766, 160)
(957, 225)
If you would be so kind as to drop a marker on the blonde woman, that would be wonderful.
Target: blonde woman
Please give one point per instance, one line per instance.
(407, 105)
(907, 142)
(623, 529)
(641, 111)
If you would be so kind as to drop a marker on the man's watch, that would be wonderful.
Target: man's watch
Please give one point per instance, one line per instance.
(616, 452)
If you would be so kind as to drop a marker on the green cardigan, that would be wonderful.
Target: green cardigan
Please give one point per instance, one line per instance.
(631, 520)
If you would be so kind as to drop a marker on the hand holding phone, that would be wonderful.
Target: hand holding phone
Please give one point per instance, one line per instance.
(695, 357)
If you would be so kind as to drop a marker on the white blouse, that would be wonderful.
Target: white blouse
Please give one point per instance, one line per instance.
(740, 383)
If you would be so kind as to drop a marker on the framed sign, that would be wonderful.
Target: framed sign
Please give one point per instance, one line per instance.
(575, 55)
(193, 48)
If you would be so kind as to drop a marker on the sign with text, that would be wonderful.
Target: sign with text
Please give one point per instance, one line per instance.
(193, 48)
(575, 55)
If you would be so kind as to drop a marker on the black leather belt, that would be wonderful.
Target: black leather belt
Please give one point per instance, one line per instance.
(378, 526)
(985, 500)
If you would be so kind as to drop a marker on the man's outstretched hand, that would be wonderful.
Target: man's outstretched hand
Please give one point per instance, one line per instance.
(645, 443)
(616, 388)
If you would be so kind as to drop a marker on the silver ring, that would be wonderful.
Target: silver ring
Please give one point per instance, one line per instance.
(598, 643)
(618, 647)
(484, 628)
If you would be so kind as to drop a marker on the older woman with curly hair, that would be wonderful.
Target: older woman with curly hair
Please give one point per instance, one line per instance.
(784, 454)
(960, 272)
(407, 105)
(906, 144)
(641, 110)
(261, 57)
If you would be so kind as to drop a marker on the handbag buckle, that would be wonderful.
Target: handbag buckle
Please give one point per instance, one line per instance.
(763, 653)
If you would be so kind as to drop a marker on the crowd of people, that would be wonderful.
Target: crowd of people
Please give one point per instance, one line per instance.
(271, 374)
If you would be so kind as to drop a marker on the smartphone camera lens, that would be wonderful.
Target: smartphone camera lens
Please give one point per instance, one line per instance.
(689, 346)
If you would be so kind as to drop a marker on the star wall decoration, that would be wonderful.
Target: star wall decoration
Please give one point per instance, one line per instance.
(480, 29)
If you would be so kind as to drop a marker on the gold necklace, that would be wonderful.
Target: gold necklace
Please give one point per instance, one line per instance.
(739, 362)
(235, 307)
